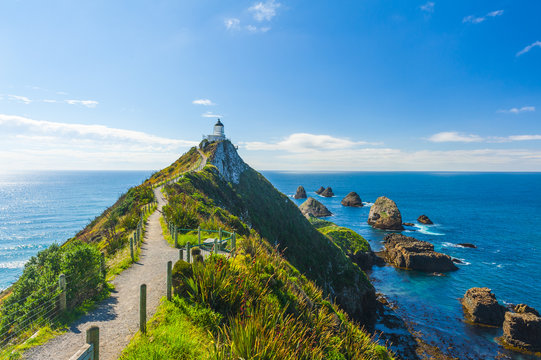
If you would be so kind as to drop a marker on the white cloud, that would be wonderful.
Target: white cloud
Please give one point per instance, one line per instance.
(87, 103)
(255, 29)
(204, 102)
(524, 137)
(529, 47)
(50, 101)
(477, 20)
(428, 7)
(453, 136)
(210, 114)
(519, 110)
(19, 98)
(302, 142)
(264, 10)
(232, 24)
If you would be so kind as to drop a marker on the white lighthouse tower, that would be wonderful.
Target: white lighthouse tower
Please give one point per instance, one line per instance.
(218, 134)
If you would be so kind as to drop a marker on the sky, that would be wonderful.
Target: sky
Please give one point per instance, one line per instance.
(360, 85)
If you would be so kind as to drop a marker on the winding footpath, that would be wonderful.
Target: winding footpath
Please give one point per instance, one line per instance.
(118, 315)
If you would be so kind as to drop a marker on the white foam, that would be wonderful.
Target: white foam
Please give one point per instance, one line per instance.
(448, 244)
(13, 264)
(462, 262)
(367, 203)
(425, 229)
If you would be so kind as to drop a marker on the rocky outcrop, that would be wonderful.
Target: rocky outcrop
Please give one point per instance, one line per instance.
(352, 199)
(423, 219)
(301, 193)
(409, 253)
(314, 208)
(468, 245)
(384, 214)
(327, 192)
(525, 309)
(481, 307)
(522, 330)
(228, 162)
(320, 190)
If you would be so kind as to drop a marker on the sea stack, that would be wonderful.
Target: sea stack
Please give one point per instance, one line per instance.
(522, 328)
(301, 193)
(481, 307)
(320, 190)
(314, 208)
(352, 199)
(327, 192)
(423, 219)
(384, 214)
(409, 253)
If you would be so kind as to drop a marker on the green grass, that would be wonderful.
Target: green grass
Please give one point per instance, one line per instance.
(170, 335)
(39, 337)
(347, 239)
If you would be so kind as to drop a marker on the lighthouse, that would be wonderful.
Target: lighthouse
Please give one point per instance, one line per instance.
(218, 134)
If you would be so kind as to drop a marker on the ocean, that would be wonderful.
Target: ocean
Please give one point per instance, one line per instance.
(38, 209)
(498, 212)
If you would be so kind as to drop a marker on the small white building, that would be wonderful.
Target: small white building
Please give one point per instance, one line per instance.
(218, 135)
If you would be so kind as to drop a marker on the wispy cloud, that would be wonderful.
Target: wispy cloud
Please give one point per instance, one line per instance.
(428, 7)
(529, 47)
(210, 114)
(479, 19)
(232, 24)
(264, 10)
(518, 110)
(453, 136)
(204, 102)
(303, 142)
(524, 137)
(19, 98)
(87, 103)
(255, 29)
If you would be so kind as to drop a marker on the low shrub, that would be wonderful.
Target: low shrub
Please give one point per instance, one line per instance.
(181, 271)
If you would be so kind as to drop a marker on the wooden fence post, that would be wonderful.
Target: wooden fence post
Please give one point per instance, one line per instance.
(188, 252)
(169, 279)
(175, 230)
(181, 254)
(215, 246)
(93, 338)
(199, 236)
(233, 242)
(143, 309)
(131, 250)
(62, 296)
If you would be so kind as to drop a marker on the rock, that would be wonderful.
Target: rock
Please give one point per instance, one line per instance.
(457, 261)
(352, 199)
(481, 307)
(228, 162)
(384, 214)
(320, 190)
(423, 219)
(525, 309)
(522, 330)
(327, 192)
(366, 259)
(409, 253)
(313, 207)
(468, 245)
(300, 194)
(408, 224)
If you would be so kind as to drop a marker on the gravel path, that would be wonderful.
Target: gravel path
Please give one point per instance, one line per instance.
(118, 316)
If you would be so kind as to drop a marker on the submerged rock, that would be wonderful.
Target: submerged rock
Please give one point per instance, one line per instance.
(301, 193)
(313, 207)
(409, 253)
(468, 245)
(352, 199)
(384, 214)
(327, 192)
(522, 330)
(481, 307)
(408, 224)
(423, 219)
(320, 190)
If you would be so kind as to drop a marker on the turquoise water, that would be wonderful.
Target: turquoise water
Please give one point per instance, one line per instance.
(500, 213)
(38, 209)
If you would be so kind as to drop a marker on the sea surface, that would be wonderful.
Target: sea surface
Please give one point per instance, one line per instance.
(41, 208)
(498, 212)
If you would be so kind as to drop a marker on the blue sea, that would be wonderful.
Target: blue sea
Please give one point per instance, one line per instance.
(41, 208)
(498, 212)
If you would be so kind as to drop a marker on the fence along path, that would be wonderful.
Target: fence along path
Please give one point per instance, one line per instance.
(118, 316)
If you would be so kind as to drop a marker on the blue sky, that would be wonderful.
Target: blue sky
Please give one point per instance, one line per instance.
(299, 85)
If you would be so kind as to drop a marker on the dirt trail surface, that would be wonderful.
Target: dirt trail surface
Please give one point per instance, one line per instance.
(118, 316)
